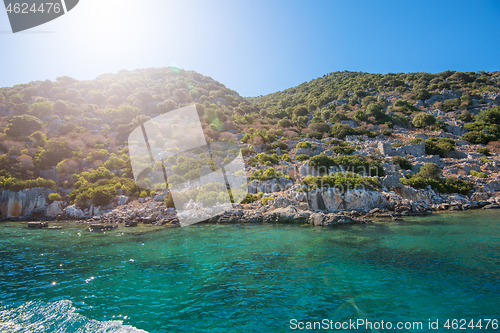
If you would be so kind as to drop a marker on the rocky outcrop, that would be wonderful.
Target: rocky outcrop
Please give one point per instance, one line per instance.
(54, 209)
(333, 200)
(493, 186)
(269, 186)
(24, 204)
(415, 149)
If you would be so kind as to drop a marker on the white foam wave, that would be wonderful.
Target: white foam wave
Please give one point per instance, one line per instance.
(56, 317)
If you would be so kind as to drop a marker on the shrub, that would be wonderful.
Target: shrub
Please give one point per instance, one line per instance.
(489, 116)
(455, 185)
(402, 162)
(341, 131)
(423, 119)
(485, 159)
(320, 127)
(23, 125)
(249, 198)
(143, 194)
(478, 174)
(152, 193)
(102, 195)
(484, 151)
(387, 132)
(477, 137)
(268, 174)
(304, 145)
(286, 158)
(346, 150)
(302, 157)
(15, 184)
(437, 146)
(54, 197)
(429, 171)
(263, 158)
(247, 151)
(265, 200)
(355, 163)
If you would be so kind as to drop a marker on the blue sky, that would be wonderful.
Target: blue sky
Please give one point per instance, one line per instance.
(255, 47)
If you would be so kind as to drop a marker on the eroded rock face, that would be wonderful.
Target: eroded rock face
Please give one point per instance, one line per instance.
(269, 186)
(289, 214)
(333, 200)
(492, 186)
(73, 212)
(24, 203)
(54, 209)
(331, 219)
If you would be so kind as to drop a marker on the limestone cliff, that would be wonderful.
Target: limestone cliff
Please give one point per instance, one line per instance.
(24, 204)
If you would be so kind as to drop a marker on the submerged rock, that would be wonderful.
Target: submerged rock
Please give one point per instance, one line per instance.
(38, 225)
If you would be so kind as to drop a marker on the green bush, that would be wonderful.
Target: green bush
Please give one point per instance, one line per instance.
(429, 171)
(54, 197)
(286, 158)
(345, 150)
(485, 159)
(489, 116)
(437, 146)
(302, 157)
(23, 125)
(265, 200)
(402, 162)
(484, 151)
(268, 174)
(478, 174)
(15, 184)
(448, 185)
(341, 131)
(355, 163)
(304, 145)
(387, 132)
(263, 158)
(171, 159)
(481, 131)
(249, 198)
(423, 120)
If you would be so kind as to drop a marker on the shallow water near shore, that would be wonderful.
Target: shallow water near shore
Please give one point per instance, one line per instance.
(252, 277)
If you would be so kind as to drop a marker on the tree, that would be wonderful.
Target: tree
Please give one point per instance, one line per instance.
(489, 116)
(97, 97)
(374, 110)
(23, 125)
(300, 111)
(321, 127)
(284, 123)
(41, 109)
(429, 171)
(423, 119)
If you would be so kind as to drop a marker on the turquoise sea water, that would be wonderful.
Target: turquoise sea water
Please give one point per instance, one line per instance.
(249, 278)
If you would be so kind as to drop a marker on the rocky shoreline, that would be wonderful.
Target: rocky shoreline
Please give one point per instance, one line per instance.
(283, 208)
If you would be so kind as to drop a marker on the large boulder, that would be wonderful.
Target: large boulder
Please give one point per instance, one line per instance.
(331, 219)
(54, 209)
(73, 212)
